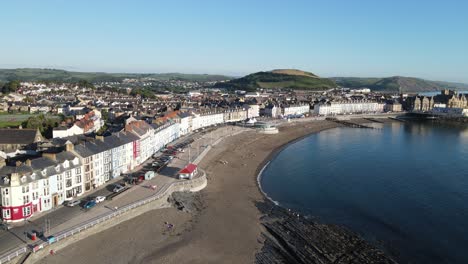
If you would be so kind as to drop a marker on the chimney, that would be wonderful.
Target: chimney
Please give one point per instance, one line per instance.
(51, 156)
(69, 146)
(18, 163)
(101, 138)
(28, 162)
(2, 162)
(15, 179)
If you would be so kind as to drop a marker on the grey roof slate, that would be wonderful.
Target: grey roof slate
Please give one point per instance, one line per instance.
(17, 136)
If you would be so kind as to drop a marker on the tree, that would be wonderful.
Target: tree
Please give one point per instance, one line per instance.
(105, 115)
(45, 124)
(144, 93)
(85, 84)
(10, 87)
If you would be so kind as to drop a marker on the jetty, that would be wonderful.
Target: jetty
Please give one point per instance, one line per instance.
(347, 123)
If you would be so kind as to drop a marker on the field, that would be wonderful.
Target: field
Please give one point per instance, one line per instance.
(12, 120)
(15, 120)
(70, 76)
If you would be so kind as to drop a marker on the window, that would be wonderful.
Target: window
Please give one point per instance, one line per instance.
(25, 199)
(6, 201)
(59, 186)
(26, 211)
(67, 174)
(60, 177)
(6, 191)
(25, 188)
(78, 178)
(35, 185)
(78, 171)
(34, 196)
(46, 191)
(6, 213)
(68, 183)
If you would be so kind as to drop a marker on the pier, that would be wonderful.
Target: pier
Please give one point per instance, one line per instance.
(347, 123)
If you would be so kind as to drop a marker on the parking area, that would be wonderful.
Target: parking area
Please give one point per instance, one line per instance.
(169, 162)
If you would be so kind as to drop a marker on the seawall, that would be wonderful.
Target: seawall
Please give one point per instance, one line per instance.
(158, 202)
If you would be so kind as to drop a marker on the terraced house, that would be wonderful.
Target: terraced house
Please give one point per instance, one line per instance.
(71, 166)
(39, 185)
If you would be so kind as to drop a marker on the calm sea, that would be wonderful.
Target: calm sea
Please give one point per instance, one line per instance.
(402, 186)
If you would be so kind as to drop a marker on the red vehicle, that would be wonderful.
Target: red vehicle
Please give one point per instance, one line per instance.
(136, 179)
(170, 152)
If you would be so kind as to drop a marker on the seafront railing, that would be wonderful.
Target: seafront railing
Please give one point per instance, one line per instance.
(14, 253)
(100, 219)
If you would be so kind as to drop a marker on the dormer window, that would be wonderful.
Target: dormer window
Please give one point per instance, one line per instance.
(6, 180)
(43, 172)
(57, 168)
(33, 176)
(23, 179)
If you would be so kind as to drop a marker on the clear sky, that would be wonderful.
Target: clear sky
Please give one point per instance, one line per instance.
(427, 39)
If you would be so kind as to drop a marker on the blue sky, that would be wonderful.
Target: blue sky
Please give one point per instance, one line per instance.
(427, 39)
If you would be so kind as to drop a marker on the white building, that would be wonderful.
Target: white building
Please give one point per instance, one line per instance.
(295, 109)
(349, 107)
(253, 110)
(185, 123)
(206, 119)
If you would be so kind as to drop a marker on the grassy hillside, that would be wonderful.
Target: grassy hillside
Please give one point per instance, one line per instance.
(68, 76)
(397, 84)
(280, 79)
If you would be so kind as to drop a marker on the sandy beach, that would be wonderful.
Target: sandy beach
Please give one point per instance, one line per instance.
(227, 228)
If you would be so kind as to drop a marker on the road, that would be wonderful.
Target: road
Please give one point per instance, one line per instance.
(62, 218)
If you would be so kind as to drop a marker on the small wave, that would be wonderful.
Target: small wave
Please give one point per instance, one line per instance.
(259, 179)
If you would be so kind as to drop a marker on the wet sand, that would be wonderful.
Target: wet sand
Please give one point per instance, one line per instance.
(226, 230)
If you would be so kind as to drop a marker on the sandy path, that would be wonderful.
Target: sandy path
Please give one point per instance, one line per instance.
(227, 230)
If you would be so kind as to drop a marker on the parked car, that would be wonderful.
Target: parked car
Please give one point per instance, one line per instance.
(164, 159)
(5, 226)
(89, 204)
(155, 164)
(118, 188)
(99, 199)
(72, 203)
(136, 179)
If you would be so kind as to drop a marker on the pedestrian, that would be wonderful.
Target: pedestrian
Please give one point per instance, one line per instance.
(51, 252)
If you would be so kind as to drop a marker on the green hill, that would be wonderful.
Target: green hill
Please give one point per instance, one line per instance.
(279, 79)
(28, 74)
(397, 84)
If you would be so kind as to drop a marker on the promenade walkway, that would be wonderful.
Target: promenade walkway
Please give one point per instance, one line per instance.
(63, 218)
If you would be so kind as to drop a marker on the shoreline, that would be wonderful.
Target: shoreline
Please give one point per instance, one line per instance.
(264, 164)
(281, 246)
(231, 203)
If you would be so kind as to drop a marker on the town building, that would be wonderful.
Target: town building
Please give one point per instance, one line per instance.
(348, 107)
(298, 109)
(14, 139)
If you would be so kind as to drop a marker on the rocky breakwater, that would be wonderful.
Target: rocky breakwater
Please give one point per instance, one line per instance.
(292, 238)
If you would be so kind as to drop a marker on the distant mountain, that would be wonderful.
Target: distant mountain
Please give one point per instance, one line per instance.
(31, 74)
(397, 84)
(279, 79)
